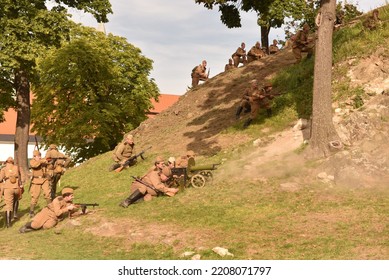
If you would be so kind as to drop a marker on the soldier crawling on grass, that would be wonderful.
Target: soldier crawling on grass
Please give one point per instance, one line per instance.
(151, 185)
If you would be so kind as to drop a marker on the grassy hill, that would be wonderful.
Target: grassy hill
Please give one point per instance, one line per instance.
(267, 201)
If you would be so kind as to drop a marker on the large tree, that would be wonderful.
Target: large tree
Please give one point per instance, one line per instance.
(27, 29)
(324, 137)
(90, 92)
(271, 13)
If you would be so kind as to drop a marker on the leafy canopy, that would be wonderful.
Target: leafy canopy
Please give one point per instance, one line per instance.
(90, 92)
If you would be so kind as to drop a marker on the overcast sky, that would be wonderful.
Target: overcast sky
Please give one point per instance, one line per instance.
(179, 34)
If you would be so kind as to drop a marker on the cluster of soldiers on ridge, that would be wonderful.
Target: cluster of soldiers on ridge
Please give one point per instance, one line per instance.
(256, 97)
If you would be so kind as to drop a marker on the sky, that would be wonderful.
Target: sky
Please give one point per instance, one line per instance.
(178, 34)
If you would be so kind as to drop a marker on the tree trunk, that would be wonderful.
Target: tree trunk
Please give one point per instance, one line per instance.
(323, 132)
(22, 86)
(265, 38)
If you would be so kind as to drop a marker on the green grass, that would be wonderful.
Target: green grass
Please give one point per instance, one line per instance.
(253, 219)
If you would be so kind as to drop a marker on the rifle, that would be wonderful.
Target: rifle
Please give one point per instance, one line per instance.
(147, 185)
(132, 160)
(85, 205)
(209, 70)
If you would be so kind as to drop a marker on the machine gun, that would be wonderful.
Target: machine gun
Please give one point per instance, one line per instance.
(131, 160)
(83, 206)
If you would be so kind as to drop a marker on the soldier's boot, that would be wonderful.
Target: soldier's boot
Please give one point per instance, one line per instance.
(48, 200)
(8, 218)
(269, 112)
(238, 111)
(32, 214)
(15, 209)
(134, 197)
(26, 228)
(247, 122)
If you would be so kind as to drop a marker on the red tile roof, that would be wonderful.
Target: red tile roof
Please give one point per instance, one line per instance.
(8, 127)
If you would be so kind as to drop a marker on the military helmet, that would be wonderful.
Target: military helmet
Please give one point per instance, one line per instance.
(52, 146)
(36, 153)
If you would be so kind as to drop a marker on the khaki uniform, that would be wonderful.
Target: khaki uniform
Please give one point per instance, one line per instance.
(51, 214)
(302, 43)
(259, 99)
(56, 162)
(39, 181)
(273, 49)
(255, 53)
(372, 22)
(9, 175)
(123, 152)
(151, 178)
(199, 74)
(229, 67)
(239, 56)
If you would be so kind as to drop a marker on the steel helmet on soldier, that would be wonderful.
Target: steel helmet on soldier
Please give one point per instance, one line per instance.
(52, 146)
(36, 153)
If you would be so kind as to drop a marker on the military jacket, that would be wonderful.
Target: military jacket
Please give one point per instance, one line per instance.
(9, 175)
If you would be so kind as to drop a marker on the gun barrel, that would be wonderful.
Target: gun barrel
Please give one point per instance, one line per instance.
(211, 166)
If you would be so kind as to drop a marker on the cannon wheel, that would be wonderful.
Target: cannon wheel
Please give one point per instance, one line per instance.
(207, 175)
(197, 181)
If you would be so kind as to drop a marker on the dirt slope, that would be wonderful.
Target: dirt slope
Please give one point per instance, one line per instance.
(196, 120)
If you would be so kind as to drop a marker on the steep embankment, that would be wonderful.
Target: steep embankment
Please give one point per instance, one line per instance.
(196, 121)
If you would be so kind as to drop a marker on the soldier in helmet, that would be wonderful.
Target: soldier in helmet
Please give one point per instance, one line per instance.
(302, 43)
(199, 73)
(40, 181)
(239, 56)
(151, 185)
(229, 66)
(245, 101)
(255, 53)
(273, 48)
(56, 166)
(123, 152)
(260, 99)
(373, 21)
(49, 216)
(12, 189)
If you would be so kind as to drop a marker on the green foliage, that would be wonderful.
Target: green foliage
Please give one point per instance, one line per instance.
(296, 84)
(91, 92)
